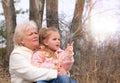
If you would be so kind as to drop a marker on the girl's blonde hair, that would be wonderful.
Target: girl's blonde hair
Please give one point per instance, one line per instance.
(44, 33)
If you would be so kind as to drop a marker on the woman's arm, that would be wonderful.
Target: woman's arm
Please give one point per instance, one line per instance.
(22, 67)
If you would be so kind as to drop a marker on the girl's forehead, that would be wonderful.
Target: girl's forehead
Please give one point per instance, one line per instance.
(54, 33)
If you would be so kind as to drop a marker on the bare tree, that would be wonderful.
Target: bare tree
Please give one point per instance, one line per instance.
(52, 13)
(10, 23)
(76, 27)
(85, 58)
(36, 11)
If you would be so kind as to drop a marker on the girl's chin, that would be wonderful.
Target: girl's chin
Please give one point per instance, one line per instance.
(56, 49)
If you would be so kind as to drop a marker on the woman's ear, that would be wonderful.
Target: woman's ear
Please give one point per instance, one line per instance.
(22, 42)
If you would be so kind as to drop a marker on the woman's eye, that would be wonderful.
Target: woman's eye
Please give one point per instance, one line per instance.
(36, 33)
(32, 33)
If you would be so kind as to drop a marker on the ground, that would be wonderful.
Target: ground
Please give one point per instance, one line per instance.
(4, 75)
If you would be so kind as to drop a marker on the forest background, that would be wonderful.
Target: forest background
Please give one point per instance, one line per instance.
(93, 25)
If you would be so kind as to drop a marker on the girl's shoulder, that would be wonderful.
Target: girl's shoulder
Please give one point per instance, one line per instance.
(40, 52)
(60, 50)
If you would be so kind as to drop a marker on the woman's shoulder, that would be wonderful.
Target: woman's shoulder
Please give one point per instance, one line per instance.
(21, 48)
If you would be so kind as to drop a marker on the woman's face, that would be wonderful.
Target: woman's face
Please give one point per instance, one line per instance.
(53, 41)
(30, 39)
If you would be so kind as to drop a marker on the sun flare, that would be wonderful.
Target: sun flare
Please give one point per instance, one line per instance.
(103, 26)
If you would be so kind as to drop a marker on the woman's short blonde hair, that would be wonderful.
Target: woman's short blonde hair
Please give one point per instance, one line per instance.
(21, 29)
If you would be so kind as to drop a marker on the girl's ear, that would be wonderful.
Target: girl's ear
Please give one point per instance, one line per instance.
(45, 42)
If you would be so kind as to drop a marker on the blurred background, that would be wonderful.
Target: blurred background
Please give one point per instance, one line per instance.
(93, 25)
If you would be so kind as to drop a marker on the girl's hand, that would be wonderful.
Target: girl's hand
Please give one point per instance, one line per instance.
(69, 48)
(67, 65)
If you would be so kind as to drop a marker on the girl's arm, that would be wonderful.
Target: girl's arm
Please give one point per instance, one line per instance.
(68, 58)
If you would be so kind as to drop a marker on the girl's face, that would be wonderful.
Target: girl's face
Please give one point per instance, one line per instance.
(53, 41)
(30, 39)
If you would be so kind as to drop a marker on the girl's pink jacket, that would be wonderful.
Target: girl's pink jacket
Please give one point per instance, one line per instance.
(63, 59)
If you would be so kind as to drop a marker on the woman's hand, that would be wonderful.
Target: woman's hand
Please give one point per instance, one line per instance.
(61, 71)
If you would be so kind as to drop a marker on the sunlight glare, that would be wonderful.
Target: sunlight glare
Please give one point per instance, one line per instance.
(103, 26)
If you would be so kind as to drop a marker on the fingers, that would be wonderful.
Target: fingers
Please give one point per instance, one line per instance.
(69, 47)
(70, 44)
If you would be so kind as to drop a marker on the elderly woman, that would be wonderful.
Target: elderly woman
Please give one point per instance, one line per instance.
(26, 40)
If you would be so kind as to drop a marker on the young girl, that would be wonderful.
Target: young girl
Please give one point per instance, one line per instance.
(49, 54)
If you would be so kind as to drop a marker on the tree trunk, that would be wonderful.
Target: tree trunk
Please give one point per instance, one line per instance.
(77, 18)
(76, 27)
(36, 11)
(84, 68)
(10, 19)
(52, 13)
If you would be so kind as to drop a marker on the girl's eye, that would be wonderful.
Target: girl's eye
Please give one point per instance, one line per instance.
(54, 39)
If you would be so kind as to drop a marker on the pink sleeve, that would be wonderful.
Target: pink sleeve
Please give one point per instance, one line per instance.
(66, 60)
(67, 57)
(37, 59)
